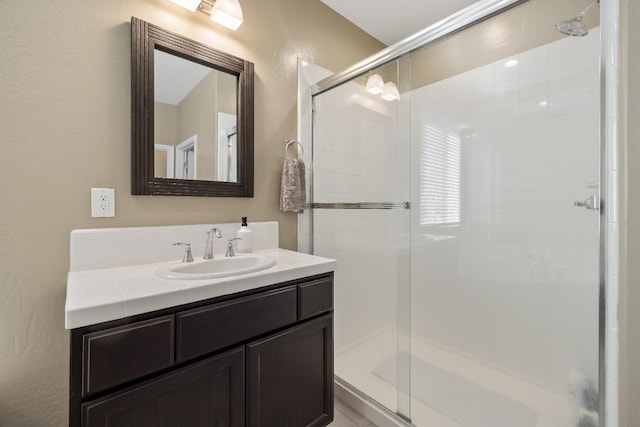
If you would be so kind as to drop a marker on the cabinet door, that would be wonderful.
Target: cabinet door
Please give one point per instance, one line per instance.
(205, 394)
(290, 377)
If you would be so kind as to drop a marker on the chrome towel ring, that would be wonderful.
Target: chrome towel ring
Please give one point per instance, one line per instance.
(289, 143)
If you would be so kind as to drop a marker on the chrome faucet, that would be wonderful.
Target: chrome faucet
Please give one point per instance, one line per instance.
(208, 248)
(187, 251)
(230, 252)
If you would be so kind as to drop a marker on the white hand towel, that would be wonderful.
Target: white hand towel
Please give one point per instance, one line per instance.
(293, 195)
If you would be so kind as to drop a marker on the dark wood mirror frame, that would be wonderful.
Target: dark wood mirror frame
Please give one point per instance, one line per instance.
(145, 38)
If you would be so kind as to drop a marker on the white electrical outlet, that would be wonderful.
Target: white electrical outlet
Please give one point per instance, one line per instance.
(103, 202)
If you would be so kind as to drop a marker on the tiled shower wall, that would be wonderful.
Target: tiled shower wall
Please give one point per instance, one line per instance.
(355, 162)
(518, 271)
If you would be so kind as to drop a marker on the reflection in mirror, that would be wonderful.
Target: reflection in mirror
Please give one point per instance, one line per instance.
(163, 163)
(227, 147)
(195, 112)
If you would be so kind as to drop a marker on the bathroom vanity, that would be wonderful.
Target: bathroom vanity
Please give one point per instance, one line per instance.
(248, 350)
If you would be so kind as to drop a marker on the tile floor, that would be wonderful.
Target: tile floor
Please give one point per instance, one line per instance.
(345, 416)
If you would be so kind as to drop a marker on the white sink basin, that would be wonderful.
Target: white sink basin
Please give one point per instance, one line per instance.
(216, 268)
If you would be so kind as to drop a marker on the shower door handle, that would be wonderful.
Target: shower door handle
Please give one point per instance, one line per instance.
(592, 203)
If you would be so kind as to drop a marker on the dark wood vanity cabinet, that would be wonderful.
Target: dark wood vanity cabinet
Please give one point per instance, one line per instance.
(261, 359)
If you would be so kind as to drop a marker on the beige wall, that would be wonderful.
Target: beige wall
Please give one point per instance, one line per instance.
(629, 156)
(510, 33)
(165, 131)
(165, 124)
(160, 164)
(226, 99)
(197, 116)
(65, 127)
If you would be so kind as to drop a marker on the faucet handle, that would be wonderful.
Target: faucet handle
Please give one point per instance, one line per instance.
(188, 257)
(230, 252)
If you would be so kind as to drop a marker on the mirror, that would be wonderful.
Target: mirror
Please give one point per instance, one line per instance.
(192, 117)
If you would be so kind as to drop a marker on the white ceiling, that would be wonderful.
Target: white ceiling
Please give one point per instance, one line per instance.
(170, 89)
(393, 20)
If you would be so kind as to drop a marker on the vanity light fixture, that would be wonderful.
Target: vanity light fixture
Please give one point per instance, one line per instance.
(227, 13)
(191, 5)
(224, 12)
(375, 84)
(391, 92)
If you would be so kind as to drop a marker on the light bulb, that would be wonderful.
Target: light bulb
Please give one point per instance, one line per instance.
(375, 84)
(390, 92)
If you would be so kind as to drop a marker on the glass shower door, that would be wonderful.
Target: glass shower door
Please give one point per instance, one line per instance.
(476, 303)
(504, 264)
(360, 217)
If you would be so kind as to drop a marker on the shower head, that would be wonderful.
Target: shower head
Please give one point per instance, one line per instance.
(575, 27)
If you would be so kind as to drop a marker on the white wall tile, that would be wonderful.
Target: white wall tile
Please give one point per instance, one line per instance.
(565, 177)
(591, 89)
(506, 180)
(506, 136)
(534, 156)
(566, 101)
(534, 67)
(591, 122)
(591, 177)
(506, 91)
(566, 126)
(565, 57)
(561, 201)
(503, 73)
(505, 114)
(534, 179)
(566, 152)
(534, 201)
(591, 48)
(534, 132)
(534, 108)
(506, 158)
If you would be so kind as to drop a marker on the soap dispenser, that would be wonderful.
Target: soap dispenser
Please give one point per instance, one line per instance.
(244, 245)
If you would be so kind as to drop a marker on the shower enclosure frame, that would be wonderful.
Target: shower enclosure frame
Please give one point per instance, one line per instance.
(609, 66)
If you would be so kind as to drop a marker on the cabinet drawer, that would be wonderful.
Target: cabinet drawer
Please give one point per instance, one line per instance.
(207, 329)
(315, 297)
(117, 355)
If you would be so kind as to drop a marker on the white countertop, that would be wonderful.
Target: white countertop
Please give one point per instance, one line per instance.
(95, 296)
